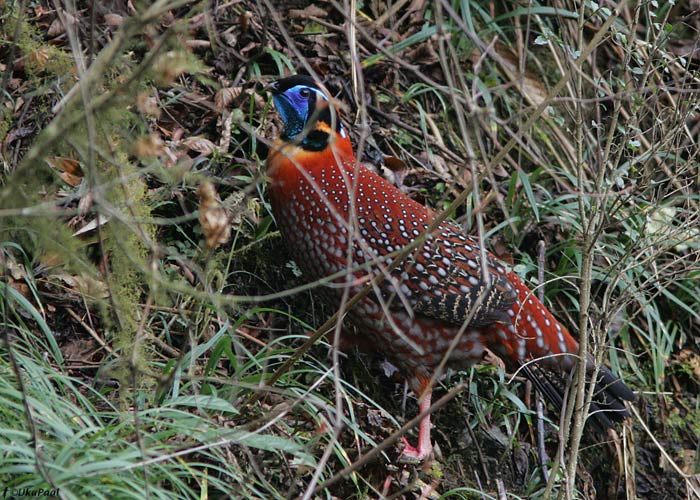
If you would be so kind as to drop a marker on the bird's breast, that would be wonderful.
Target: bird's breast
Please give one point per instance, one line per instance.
(336, 215)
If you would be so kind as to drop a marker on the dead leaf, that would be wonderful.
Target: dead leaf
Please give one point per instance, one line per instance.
(394, 164)
(149, 146)
(86, 202)
(68, 169)
(201, 145)
(114, 20)
(17, 276)
(693, 487)
(311, 10)
(215, 223)
(39, 58)
(84, 285)
(225, 95)
(100, 220)
(56, 28)
(18, 104)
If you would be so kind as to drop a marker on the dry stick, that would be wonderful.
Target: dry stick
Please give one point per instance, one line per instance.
(580, 401)
(541, 452)
(90, 330)
(502, 494)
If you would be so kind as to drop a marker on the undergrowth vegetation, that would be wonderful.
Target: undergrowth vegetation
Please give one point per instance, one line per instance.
(155, 333)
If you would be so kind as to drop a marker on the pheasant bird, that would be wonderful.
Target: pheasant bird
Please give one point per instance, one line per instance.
(447, 299)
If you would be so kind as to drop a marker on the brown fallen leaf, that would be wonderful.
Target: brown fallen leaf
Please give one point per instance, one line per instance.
(82, 285)
(201, 145)
(215, 223)
(100, 220)
(311, 10)
(394, 164)
(56, 28)
(149, 146)
(68, 169)
(225, 95)
(39, 58)
(114, 20)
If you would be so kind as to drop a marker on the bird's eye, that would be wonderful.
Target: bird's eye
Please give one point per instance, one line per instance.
(305, 93)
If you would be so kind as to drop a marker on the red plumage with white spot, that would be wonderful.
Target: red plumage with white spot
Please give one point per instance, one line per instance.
(441, 301)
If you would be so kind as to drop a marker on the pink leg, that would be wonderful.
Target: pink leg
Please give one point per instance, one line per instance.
(425, 447)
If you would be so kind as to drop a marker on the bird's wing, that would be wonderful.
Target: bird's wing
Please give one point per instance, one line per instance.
(444, 279)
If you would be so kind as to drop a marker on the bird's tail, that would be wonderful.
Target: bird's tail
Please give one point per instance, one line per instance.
(607, 404)
(534, 334)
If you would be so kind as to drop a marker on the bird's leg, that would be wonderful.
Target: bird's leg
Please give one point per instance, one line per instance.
(425, 447)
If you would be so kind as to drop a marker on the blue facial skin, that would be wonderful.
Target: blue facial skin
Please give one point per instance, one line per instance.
(294, 106)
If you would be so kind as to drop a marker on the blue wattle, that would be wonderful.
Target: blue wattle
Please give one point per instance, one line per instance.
(293, 117)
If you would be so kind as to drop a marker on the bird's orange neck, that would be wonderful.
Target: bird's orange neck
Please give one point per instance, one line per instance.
(288, 163)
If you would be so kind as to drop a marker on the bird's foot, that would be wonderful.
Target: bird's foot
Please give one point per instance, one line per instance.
(411, 454)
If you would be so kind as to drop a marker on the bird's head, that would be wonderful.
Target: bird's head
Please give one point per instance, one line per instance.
(307, 113)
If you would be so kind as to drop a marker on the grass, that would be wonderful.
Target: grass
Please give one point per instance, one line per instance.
(138, 363)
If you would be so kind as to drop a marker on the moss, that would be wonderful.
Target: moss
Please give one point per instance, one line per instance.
(5, 118)
(126, 242)
(679, 423)
(41, 60)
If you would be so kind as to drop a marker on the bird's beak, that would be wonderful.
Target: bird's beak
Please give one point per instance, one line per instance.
(273, 87)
